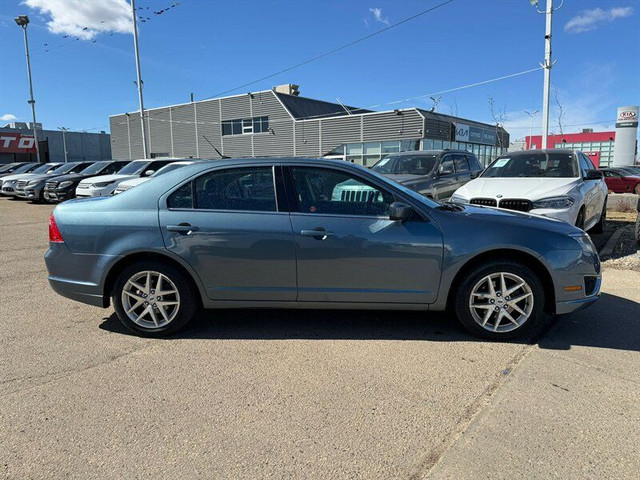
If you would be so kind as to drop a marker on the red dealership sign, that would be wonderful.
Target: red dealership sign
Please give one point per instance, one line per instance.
(16, 143)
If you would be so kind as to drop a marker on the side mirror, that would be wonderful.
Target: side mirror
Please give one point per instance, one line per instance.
(148, 173)
(593, 175)
(446, 171)
(475, 174)
(400, 211)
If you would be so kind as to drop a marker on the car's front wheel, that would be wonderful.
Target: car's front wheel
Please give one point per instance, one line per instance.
(153, 299)
(500, 300)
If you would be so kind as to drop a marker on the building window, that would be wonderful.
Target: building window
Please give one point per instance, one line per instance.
(245, 126)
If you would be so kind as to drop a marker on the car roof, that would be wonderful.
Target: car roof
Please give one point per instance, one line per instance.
(545, 151)
(429, 152)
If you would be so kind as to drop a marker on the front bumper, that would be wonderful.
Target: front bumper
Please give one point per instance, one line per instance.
(591, 293)
(9, 190)
(58, 194)
(568, 215)
(30, 193)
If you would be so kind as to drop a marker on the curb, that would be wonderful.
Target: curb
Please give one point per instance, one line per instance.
(611, 243)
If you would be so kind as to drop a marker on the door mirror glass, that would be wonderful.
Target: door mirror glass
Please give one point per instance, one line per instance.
(446, 166)
(400, 211)
(593, 175)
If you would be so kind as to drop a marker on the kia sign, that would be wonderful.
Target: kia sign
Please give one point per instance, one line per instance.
(16, 143)
(627, 117)
(468, 133)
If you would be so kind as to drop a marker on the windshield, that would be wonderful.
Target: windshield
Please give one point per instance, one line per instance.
(405, 164)
(168, 168)
(44, 168)
(133, 168)
(64, 168)
(630, 171)
(6, 168)
(95, 168)
(534, 165)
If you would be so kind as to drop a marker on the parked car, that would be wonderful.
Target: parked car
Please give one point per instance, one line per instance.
(560, 184)
(134, 182)
(9, 183)
(433, 173)
(638, 224)
(24, 168)
(104, 185)
(621, 180)
(33, 187)
(64, 187)
(9, 168)
(633, 169)
(271, 233)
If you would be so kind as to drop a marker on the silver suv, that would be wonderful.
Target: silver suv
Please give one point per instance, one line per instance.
(433, 173)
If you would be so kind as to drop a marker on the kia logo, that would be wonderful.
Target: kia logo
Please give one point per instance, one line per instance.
(627, 115)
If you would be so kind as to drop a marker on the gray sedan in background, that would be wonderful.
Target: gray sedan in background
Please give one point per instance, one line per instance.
(260, 233)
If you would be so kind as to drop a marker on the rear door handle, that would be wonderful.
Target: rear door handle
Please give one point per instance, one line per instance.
(318, 233)
(184, 228)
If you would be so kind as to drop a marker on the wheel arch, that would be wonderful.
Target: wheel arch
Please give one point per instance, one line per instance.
(135, 257)
(507, 254)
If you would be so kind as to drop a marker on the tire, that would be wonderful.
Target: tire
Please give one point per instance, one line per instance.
(151, 322)
(637, 189)
(580, 219)
(602, 223)
(476, 284)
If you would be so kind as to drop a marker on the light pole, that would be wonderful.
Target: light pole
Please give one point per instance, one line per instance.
(531, 115)
(23, 21)
(139, 83)
(548, 64)
(64, 141)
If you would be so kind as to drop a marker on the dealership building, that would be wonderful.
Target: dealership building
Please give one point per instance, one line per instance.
(279, 122)
(17, 144)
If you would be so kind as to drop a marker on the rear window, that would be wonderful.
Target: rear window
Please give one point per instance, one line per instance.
(405, 164)
(133, 168)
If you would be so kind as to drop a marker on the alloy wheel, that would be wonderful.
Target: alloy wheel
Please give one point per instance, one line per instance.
(501, 302)
(150, 299)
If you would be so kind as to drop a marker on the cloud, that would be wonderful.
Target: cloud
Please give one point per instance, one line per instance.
(8, 117)
(591, 19)
(377, 14)
(84, 19)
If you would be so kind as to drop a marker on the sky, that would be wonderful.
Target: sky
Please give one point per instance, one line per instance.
(84, 69)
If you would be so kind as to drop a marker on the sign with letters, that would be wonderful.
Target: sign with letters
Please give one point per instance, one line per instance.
(17, 143)
(473, 134)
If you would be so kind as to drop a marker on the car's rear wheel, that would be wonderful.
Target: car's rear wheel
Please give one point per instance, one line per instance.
(153, 299)
(500, 301)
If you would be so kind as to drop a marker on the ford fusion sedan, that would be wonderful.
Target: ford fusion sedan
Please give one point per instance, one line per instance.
(433, 173)
(33, 188)
(104, 185)
(560, 184)
(261, 233)
(134, 182)
(64, 187)
(10, 183)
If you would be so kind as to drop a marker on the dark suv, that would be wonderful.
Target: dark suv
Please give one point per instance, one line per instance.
(433, 173)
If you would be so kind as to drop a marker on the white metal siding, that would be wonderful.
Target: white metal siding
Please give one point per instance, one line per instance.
(119, 137)
(184, 131)
(159, 131)
(209, 126)
(308, 138)
(391, 126)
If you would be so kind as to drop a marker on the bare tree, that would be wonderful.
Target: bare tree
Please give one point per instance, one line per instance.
(559, 110)
(499, 116)
(453, 108)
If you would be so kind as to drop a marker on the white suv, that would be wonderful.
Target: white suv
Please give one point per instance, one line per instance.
(561, 184)
(134, 182)
(104, 185)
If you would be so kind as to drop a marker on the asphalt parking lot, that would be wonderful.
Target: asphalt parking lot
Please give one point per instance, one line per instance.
(296, 394)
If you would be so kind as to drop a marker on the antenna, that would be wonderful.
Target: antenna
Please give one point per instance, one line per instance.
(214, 147)
(343, 106)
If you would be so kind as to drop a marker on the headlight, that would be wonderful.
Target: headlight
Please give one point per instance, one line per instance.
(585, 242)
(103, 184)
(455, 198)
(554, 202)
(68, 183)
(33, 182)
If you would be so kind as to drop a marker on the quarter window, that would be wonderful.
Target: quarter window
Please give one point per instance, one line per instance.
(325, 191)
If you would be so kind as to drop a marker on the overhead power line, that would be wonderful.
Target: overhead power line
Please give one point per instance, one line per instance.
(337, 49)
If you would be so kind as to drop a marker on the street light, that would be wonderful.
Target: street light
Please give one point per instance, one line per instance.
(23, 21)
(548, 63)
(139, 82)
(531, 115)
(64, 141)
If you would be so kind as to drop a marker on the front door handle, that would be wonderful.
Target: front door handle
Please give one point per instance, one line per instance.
(183, 228)
(318, 233)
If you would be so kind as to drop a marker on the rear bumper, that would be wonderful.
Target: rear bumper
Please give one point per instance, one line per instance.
(79, 291)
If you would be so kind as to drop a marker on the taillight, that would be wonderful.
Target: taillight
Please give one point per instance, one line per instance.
(54, 233)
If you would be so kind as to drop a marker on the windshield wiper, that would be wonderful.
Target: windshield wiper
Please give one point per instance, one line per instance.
(451, 207)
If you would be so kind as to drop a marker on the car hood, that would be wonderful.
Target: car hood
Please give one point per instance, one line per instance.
(19, 176)
(405, 177)
(133, 182)
(69, 176)
(35, 177)
(527, 188)
(108, 178)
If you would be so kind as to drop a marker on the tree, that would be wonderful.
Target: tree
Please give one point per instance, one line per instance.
(559, 110)
(499, 116)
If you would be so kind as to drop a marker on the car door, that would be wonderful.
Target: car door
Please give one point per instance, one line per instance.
(348, 250)
(227, 225)
(592, 193)
(614, 181)
(446, 183)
